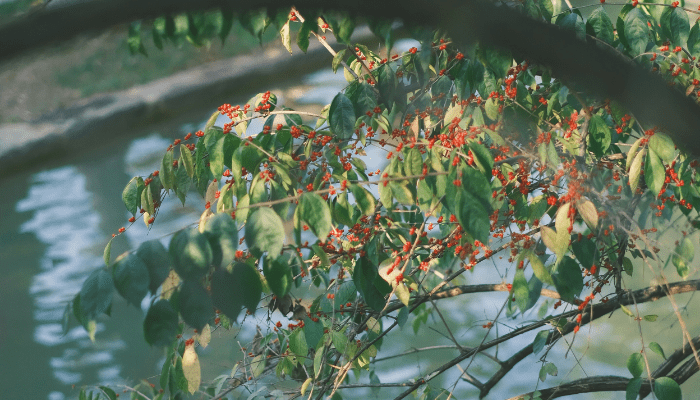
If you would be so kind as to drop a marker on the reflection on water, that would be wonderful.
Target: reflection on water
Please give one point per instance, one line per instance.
(63, 219)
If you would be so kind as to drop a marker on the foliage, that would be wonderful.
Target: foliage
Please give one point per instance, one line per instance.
(486, 156)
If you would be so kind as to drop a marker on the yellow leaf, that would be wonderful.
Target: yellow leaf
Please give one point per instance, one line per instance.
(191, 368)
(306, 384)
(562, 222)
(588, 213)
(92, 328)
(205, 336)
(168, 287)
(203, 219)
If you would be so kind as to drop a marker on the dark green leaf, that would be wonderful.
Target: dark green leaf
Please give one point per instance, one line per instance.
(95, 295)
(131, 278)
(190, 253)
(497, 60)
(341, 117)
(540, 341)
(314, 211)
(568, 279)
(636, 31)
(364, 199)
(160, 325)
(263, 232)
(632, 390)
(297, 343)
(635, 364)
(195, 305)
(222, 233)
(182, 183)
(232, 291)
(155, 257)
(131, 196)
(313, 332)
(600, 26)
(226, 25)
(654, 173)
(573, 22)
(343, 26)
(694, 40)
(675, 25)
(599, 138)
(303, 35)
(666, 388)
(363, 97)
(278, 274)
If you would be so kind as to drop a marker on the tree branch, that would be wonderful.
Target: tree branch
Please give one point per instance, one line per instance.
(601, 71)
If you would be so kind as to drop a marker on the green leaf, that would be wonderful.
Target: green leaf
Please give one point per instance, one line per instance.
(364, 199)
(599, 138)
(632, 390)
(600, 26)
(165, 370)
(107, 252)
(131, 278)
(263, 232)
(675, 25)
(666, 388)
(340, 341)
(341, 117)
(521, 291)
(636, 31)
(286, 38)
(470, 202)
(656, 348)
(226, 24)
(387, 83)
(363, 97)
(303, 35)
(190, 253)
(187, 160)
(167, 177)
(111, 395)
(574, 22)
(343, 26)
(222, 233)
(636, 170)
(482, 158)
(694, 40)
(278, 274)
(538, 267)
(297, 343)
(195, 305)
(663, 146)
(231, 291)
(182, 183)
(540, 341)
(682, 257)
(313, 332)
(413, 162)
(313, 210)
(131, 196)
(134, 39)
(654, 173)
(635, 364)
(161, 324)
(651, 317)
(491, 106)
(627, 311)
(216, 151)
(568, 279)
(365, 275)
(497, 60)
(95, 295)
(155, 257)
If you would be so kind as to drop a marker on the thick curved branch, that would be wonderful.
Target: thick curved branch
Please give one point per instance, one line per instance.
(644, 295)
(599, 70)
(618, 384)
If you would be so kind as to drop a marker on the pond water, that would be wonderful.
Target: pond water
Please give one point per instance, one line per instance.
(56, 221)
